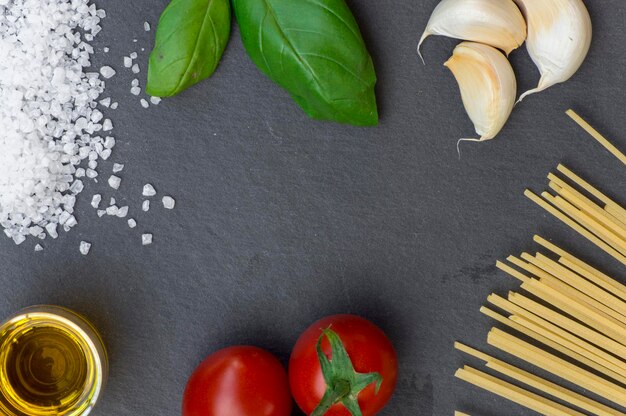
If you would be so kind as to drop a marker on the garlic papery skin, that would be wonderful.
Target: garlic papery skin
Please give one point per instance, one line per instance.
(488, 86)
(498, 23)
(559, 37)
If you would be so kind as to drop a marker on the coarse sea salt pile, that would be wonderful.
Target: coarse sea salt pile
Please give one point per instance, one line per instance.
(49, 122)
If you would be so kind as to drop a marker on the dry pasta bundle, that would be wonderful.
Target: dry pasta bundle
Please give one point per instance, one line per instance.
(602, 222)
(571, 309)
(574, 311)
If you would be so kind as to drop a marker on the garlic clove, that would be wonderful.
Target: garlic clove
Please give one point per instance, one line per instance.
(559, 37)
(498, 23)
(488, 86)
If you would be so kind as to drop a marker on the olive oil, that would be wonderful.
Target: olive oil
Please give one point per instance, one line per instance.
(52, 362)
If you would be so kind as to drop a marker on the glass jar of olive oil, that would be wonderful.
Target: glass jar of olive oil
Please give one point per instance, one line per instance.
(52, 363)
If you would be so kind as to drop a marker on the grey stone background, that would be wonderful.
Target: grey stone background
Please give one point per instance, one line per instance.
(281, 220)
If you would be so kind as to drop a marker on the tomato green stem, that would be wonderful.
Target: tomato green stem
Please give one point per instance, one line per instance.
(343, 383)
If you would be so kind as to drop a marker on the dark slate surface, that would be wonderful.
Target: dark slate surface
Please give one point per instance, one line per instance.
(281, 220)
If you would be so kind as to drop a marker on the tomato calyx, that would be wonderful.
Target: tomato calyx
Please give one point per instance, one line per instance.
(343, 383)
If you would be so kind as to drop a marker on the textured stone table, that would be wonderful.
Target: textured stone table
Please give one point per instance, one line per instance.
(281, 220)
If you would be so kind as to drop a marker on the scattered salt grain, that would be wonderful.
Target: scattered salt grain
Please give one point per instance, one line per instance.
(84, 248)
(122, 212)
(135, 69)
(146, 239)
(109, 142)
(51, 228)
(80, 173)
(91, 174)
(128, 62)
(145, 206)
(155, 100)
(114, 182)
(101, 212)
(114, 106)
(38, 247)
(132, 223)
(144, 103)
(148, 190)
(133, 55)
(146, 26)
(106, 102)
(106, 49)
(118, 167)
(134, 83)
(107, 72)
(168, 202)
(105, 154)
(112, 201)
(112, 210)
(107, 125)
(135, 40)
(135, 90)
(95, 201)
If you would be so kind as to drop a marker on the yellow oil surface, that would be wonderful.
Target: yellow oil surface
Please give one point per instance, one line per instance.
(47, 367)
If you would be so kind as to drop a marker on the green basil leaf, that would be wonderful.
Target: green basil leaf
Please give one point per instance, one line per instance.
(313, 49)
(190, 40)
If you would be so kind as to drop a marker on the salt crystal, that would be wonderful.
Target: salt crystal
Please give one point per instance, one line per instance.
(155, 100)
(105, 154)
(112, 210)
(145, 206)
(109, 142)
(168, 202)
(134, 83)
(135, 40)
(71, 222)
(80, 172)
(135, 90)
(133, 55)
(112, 201)
(144, 103)
(51, 228)
(114, 182)
(117, 167)
(114, 106)
(146, 26)
(132, 223)
(127, 62)
(106, 49)
(146, 239)
(135, 69)
(107, 125)
(106, 102)
(84, 248)
(38, 247)
(107, 72)
(101, 212)
(122, 212)
(95, 201)
(148, 190)
(91, 174)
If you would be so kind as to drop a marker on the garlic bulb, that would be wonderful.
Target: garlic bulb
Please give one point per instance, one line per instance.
(488, 86)
(559, 36)
(498, 23)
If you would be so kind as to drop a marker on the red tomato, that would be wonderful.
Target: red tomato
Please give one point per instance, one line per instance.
(238, 381)
(368, 348)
